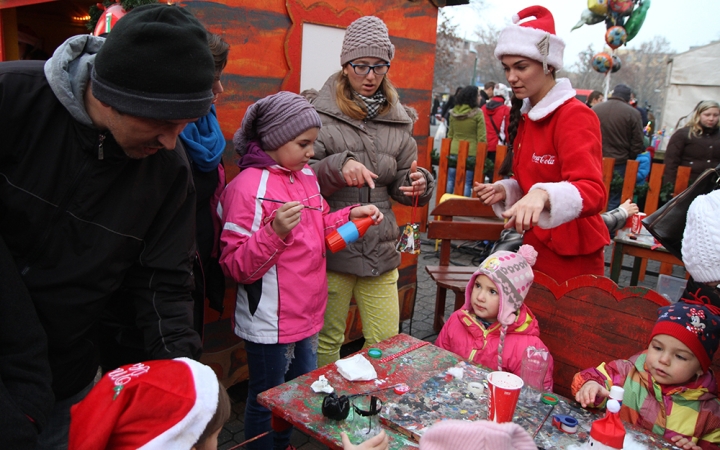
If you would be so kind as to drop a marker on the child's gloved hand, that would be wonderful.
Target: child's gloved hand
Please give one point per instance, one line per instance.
(587, 393)
(367, 211)
(683, 442)
(377, 442)
(286, 218)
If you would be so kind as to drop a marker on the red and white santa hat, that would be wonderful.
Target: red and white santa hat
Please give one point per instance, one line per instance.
(534, 38)
(151, 406)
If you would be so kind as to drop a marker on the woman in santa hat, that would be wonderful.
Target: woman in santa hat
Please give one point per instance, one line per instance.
(556, 193)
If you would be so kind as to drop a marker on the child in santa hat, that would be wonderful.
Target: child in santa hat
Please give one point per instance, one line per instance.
(494, 327)
(556, 192)
(167, 404)
(669, 388)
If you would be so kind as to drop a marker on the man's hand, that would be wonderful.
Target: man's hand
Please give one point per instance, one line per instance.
(286, 218)
(418, 184)
(356, 174)
(587, 393)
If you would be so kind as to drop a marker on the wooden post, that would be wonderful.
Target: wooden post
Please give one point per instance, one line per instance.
(480, 155)
(628, 188)
(608, 164)
(655, 183)
(459, 188)
(500, 154)
(442, 169)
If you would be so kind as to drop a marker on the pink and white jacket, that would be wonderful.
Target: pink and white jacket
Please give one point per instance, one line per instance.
(282, 284)
(466, 336)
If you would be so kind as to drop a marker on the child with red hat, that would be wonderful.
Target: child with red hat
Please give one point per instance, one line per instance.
(556, 191)
(669, 388)
(494, 328)
(154, 405)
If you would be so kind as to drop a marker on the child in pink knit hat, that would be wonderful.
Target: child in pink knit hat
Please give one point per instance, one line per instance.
(494, 327)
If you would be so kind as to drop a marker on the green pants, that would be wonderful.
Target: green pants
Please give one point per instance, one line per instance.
(377, 301)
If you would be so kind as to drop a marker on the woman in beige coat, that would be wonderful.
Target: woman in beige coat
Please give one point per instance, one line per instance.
(365, 153)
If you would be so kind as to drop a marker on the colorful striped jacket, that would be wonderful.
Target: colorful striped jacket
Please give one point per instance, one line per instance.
(691, 410)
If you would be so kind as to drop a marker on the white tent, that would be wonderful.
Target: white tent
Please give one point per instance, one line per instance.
(692, 76)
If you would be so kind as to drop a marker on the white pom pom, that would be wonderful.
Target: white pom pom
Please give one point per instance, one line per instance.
(515, 18)
(613, 405)
(528, 252)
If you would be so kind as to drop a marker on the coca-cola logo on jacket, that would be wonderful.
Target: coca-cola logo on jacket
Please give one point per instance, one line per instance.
(543, 159)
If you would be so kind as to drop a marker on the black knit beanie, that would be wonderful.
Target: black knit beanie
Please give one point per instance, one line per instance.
(156, 63)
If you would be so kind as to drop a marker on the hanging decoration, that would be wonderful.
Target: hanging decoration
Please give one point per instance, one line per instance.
(602, 62)
(623, 20)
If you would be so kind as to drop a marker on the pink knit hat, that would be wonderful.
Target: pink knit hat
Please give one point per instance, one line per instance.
(479, 435)
(512, 274)
(535, 39)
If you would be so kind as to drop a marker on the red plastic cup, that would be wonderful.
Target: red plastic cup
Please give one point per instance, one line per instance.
(503, 393)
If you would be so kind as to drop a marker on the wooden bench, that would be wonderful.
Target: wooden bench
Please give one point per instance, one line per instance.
(589, 320)
(483, 225)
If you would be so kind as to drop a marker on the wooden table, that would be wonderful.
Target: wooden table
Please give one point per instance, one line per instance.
(434, 395)
(640, 248)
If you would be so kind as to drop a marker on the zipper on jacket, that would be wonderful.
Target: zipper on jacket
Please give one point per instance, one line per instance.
(101, 150)
(34, 255)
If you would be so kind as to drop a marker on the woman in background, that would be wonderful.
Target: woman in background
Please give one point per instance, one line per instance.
(467, 123)
(696, 145)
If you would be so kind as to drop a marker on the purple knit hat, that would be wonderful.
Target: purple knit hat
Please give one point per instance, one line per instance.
(276, 120)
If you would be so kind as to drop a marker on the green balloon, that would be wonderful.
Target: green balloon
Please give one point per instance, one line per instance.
(634, 23)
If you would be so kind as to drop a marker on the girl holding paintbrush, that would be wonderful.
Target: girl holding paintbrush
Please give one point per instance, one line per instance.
(274, 222)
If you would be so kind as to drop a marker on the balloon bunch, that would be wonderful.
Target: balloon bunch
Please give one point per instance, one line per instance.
(623, 19)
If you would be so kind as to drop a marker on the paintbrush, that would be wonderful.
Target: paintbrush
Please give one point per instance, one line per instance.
(282, 201)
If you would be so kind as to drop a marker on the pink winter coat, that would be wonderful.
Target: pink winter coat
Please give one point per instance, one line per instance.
(282, 284)
(466, 336)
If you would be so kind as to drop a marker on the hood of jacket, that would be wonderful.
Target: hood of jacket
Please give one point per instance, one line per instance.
(324, 101)
(525, 323)
(68, 73)
(492, 106)
(464, 112)
(559, 94)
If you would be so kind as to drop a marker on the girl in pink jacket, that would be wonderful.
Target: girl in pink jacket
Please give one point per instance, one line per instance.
(494, 327)
(274, 223)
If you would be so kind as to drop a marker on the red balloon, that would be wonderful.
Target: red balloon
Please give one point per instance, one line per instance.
(621, 7)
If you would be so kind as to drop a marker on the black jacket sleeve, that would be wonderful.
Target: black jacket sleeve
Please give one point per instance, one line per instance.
(26, 397)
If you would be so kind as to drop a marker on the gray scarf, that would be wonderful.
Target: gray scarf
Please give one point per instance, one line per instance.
(373, 104)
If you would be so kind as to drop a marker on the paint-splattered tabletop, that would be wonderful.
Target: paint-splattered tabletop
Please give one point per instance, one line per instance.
(434, 395)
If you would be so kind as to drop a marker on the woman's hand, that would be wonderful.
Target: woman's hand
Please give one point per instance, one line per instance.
(356, 174)
(685, 443)
(490, 193)
(418, 184)
(587, 393)
(367, 211)
(525, 213)
(377, 442)
(286, 218)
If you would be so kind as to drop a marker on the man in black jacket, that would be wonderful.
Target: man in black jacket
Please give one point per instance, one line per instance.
(95, 206)
(622, 133)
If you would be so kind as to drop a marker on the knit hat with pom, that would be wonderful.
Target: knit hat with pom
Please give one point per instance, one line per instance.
(535, 39)
(367, 37)
(701, 241)
(512, 274)
(461, 434)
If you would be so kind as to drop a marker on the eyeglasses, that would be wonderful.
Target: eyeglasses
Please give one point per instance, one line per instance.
(364, 69)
